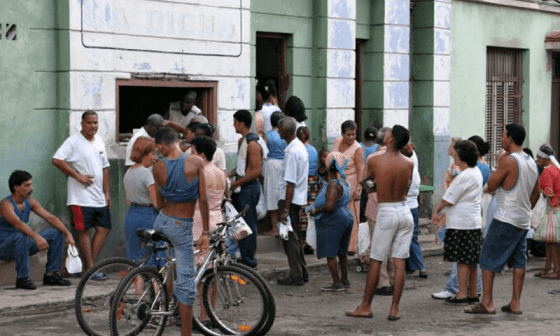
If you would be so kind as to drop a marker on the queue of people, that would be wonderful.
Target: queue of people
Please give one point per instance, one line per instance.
(177, 187)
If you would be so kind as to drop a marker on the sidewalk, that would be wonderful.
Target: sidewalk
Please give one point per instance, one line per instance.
(272, 265)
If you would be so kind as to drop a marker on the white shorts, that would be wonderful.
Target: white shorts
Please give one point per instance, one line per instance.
(393, 231)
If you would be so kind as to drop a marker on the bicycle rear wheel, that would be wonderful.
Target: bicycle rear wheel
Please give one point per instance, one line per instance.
(94, 294)
(140, 306)
(241, 302)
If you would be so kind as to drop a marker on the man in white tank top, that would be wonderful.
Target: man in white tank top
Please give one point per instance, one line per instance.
(516, 185)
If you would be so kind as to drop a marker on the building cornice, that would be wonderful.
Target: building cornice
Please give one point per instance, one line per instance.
(534, 6)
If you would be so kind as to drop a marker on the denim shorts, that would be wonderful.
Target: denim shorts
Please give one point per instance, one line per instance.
(393, 231)
(504, 243)
(180, 233)
(84, 218)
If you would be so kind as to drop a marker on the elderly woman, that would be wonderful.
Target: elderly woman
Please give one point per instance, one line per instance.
(463, 234)
(549, 232)
(333, 221)
(351, 148)
(140, 194)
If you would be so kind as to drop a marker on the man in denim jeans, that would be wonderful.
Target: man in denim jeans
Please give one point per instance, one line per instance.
(246, 188)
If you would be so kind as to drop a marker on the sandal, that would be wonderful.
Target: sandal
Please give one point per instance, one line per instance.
(479, 309)
(542, 272)
(551, 275)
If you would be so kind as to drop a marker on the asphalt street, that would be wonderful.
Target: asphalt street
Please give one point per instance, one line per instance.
(308, 311)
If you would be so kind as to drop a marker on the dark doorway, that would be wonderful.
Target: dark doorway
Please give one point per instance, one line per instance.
(271, 62)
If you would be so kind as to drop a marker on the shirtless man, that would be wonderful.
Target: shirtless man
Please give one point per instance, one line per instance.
(393, 230)
(516, 184)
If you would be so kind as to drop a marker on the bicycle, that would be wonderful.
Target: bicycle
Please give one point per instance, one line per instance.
(244, 304)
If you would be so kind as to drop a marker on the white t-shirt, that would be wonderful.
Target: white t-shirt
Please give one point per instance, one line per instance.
(465, 194)
(176, 116)
(414, 190)
(87, 158)
(296, 168)
(141, 133)
(267, 110)
(219, 158)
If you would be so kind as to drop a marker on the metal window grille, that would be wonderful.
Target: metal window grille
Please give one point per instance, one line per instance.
(503, 95)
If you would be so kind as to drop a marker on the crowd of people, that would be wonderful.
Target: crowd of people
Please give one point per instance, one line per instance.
(177, 186)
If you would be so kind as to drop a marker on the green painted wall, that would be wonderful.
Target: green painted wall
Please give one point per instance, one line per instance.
(34, 95)
(474, 28)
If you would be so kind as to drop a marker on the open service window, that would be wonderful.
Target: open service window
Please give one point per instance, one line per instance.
(138, 98)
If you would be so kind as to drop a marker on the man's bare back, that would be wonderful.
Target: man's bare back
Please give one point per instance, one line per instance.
(394, 174)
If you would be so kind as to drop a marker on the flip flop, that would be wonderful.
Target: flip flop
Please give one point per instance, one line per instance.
(508, 309)
(550, 275)
(479, 309)
(352, 313)
(543, 272)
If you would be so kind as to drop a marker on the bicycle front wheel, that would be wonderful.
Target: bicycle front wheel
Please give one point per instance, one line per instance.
(95, 292)
(140, 306)
(235, 300)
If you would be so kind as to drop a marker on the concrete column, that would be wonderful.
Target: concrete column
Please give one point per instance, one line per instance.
(340, 64)
(431, 70)
(387, 56)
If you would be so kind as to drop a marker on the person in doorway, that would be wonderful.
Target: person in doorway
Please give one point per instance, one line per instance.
(18, 241)
(293, 191)
(273, 171)
(180, 182)
(269, 106)
(82, 157)
(152, 125)
(394, 226)
(252, 150)
(515, 183)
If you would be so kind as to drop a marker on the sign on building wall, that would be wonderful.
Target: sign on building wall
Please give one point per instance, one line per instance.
(203, 27)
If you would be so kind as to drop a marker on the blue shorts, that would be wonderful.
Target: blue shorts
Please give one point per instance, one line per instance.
(84, 218)
(180, 233)
(504, 243)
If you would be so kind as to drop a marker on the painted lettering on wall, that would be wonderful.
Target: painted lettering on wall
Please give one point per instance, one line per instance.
(175, 27)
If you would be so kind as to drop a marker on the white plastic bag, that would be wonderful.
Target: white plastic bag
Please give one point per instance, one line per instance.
(261, 206)
(538, 213)
(239, 229)
(311, 233)
(364, 240)
(73, 261)
(284, 229)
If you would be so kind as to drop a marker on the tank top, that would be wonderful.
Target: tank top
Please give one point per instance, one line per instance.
(177, 188)
(514, 206)
(242, 154)
(7, 228)
(275, 145)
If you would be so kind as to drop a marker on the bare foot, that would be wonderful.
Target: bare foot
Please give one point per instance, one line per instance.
(359, 312)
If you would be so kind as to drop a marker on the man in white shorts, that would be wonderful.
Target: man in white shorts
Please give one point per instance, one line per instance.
(394, 226)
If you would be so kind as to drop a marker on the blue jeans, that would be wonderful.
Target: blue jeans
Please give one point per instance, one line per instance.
(249, 195)
(180, 233)
(415, 261)
(141, 218)
(452, 284)
(18, 247)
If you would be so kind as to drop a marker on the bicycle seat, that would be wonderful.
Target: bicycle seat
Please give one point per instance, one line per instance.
(152, 235)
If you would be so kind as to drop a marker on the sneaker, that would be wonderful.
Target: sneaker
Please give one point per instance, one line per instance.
(25, 283)
(333, 288)
(55, 279)
(457, 302)
(384, 291)
(99, 276)
(346, 284)
(443, 295)
(423, 274)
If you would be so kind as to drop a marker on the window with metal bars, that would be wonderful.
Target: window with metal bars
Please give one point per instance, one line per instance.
(504, 77)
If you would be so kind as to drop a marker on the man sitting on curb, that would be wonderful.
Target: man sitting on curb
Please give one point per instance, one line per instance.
(18, 241)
